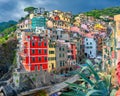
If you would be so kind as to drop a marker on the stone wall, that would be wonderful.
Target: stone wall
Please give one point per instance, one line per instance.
(31, 79)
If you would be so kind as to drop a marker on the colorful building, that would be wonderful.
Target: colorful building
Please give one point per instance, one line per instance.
(60, 19)
(62, 34)
(38, 22)
(117, 37)
(51, 56)
(109, 54)
(73, 51)
(61, 57)
(34, 53)
(99, 44)
(39, 11)
(90, 47)
(77, 21)
(25, 25)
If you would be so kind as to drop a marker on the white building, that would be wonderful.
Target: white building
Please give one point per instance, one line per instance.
(90, 47)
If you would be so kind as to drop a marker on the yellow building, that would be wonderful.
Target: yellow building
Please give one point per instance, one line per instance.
(51, 57)
(98, 27)
(117, 20)
(77, 21)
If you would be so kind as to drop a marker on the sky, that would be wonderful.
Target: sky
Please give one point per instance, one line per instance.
(14, 9)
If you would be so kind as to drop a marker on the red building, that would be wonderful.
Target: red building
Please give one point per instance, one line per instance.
(56, 18)
(35, 53)
(73, 51)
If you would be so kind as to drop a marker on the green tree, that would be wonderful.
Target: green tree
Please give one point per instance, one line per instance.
(21, 19)
(29, 9)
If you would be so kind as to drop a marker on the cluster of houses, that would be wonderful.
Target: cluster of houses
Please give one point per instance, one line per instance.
(57, 41)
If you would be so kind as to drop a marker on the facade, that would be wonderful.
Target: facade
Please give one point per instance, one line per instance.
(62, 35)
(73, 51)
(38, 22)
(90, 47)
(77, 21)
(34, 53)
(60, 19)
(51, 56)
(61, 57)
(25, 25)
(109, 48)
(39, 11)
(99, 44)
(117, 37)
(106, 56)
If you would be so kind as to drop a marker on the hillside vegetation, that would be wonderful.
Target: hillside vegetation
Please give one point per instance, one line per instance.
(7, 33)
(8, 44)
(4, 25)
(104, 12)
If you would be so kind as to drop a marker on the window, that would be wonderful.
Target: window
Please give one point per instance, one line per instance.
(104, 56)
(71, 51)
(111, 48)
(51, 58)
(39, 43)
(33, 51)
(45, 44)
(86, 39)
(39, 58)
(68, 51)
(90, 46)
(51, 46)
(87, 43)
(45, 51)
(52, 66)
(63, 63)
(59, 55)
(33, 44)
(90, 52)
(69, 56)
(91, 43)
(87, 47)
(33, 59)
(60, 49)
(45, 58)
(60, 63)
(51, 52)
(39, 51)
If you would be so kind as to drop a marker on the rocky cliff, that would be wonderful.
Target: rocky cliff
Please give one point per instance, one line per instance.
(7, 55)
